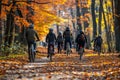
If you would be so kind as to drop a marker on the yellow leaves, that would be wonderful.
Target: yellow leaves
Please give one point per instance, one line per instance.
(43, 14)
(58, 1)
(89, 2)
(43, 19)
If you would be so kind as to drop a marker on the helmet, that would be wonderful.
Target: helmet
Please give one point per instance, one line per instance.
(67, 28)
(81, 32)
(31, 26)
(50, 30)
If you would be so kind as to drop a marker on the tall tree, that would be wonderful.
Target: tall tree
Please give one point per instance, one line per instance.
(94, 18)
(100, 16)
(10, 25)
(0, 23)
(78, 15)
(117, 24)
(107, 30)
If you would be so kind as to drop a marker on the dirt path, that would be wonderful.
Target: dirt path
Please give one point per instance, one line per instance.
(63, 67)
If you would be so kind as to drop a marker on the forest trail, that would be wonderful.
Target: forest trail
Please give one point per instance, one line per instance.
(63, 67)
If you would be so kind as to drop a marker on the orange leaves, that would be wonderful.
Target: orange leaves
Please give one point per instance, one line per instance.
(3, 15)
(43, 13)
(21, 22)
(59, 1)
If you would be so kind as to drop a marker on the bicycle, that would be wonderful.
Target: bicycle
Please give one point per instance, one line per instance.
(68, 49)
(60, 47)
(32, 53)
(98, 50)
(80, 51)
(51, 51)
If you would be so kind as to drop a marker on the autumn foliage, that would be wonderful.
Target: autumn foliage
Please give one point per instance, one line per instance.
(43, 13)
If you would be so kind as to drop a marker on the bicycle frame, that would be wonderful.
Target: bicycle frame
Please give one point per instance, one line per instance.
(98, 50)
(60, 48)
(80, 51)
(68, 49)
(51, 51)
(31, 53)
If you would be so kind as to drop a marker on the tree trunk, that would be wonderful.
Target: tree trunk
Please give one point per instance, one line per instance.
(9, 30)
(107, 31)
(117, 24)
(0, 23)
(94, 19)
(78, 16)
(100, 16)
(72, 14)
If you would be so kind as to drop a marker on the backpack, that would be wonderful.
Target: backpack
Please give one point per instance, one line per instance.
(98, 41)
(60, 38)
(67, 33)
(51, 37)
(81, 38)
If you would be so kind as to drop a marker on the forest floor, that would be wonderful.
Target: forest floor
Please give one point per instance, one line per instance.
(63, 67)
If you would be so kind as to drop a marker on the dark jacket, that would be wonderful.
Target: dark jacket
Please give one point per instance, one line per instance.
(50, 38)
(98, 41)
(81, 41)
(67, 35)
(59, 38)
(31, 35)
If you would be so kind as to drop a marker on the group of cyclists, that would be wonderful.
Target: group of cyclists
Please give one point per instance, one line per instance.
(62, 40)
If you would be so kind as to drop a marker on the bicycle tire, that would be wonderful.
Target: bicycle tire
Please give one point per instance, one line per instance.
(50, 57)
(80, 52)
(68, 49)
(32, 54)
(51, 52)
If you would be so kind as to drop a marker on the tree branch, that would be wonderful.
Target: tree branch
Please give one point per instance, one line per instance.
(26, 2)
(40, 3)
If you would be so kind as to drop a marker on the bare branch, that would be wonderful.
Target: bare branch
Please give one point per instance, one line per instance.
(35, 2)
(41, 3)
(26, 2)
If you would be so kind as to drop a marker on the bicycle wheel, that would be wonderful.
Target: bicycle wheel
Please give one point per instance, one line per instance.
(98, 50)
(80, 53)
(60, 50)
(32, 54)
(68, 49)
(50, 57)
(51, 51)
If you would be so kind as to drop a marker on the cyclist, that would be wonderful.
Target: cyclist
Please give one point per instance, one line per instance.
(67, 37)
(81, 40)
(60, 41)
(31, 36)
(50, 38)
(98, 43)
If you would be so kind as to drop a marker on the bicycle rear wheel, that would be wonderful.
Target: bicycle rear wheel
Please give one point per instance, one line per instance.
(68, 49)
(50, 57)
(32, 54)
(98, 50)
(80, 52)
(51, 52)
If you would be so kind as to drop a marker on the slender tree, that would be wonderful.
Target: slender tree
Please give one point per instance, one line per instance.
(107, 30)
(78, 15)
(94, 18)
(100, 16)
(117, 24)
(0, 22)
